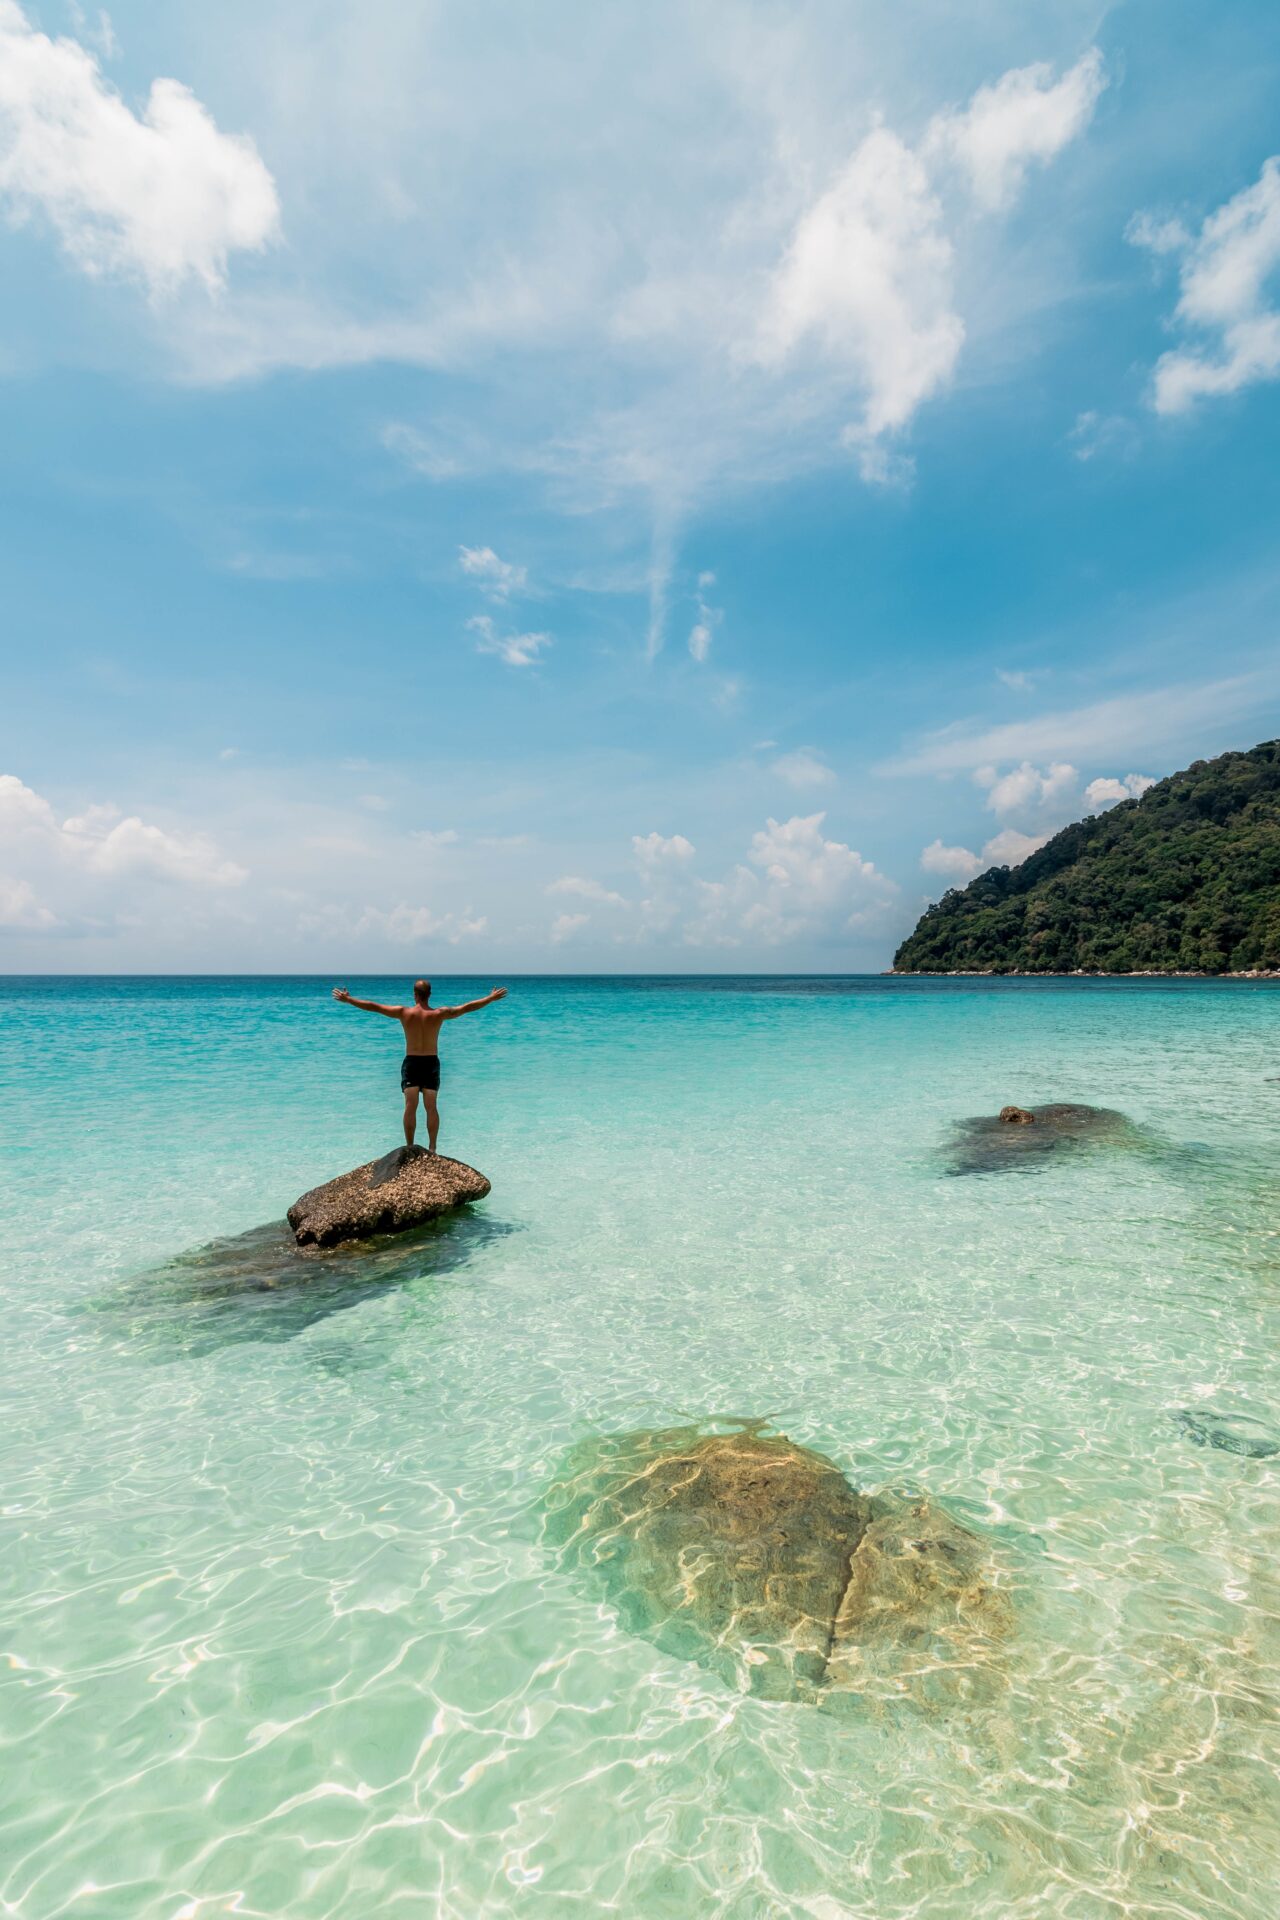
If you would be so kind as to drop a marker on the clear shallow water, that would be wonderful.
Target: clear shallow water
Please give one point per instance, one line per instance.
(279, 1634)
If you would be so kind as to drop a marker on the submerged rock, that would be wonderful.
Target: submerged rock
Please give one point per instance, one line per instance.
(1025, 1136)
(919, 1608)
(403, 1189)
(755, 1557)
(1242, 1433)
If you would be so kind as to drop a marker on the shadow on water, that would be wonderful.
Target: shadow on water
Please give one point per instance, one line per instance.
(260, 1287)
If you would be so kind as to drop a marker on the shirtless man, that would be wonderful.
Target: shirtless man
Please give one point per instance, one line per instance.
(420, 1071)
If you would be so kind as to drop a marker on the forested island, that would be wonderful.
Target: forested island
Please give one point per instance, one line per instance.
(1184, 880)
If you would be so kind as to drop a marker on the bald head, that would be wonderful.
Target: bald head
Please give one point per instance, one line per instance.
(422, 992)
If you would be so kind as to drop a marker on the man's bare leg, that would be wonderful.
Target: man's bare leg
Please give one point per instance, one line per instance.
(433, 1120)
(410, 1114)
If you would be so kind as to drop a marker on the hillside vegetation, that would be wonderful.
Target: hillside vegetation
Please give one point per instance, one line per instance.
(1186, 879)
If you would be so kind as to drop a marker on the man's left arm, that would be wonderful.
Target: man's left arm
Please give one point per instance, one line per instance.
(473, 1006)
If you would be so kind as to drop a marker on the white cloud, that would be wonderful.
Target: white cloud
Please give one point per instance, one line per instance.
(1225, 278)
(1019, 681)
(957, 863)
(565, 925)
(517, 649)
(1102, 433)
(1157, 235)
(1010, 848)
(1131, 723)
(373, 802)
(404, 924)
(134, 847)
(497, 577)
(804, 768)
(586, 890)
(1027, 787)
(654, 850)
(866, 283)
(164, 198)
(806, 886)
(708, 619)
(20, 911)
(92, 864)
(1106, 793)
(440, 837)
(1023, 117)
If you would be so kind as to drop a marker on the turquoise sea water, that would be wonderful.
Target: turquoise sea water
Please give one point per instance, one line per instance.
(280, 1635)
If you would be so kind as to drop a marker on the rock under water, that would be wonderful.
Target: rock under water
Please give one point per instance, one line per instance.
(1235, 1432)
(1024, 1137)
(404, 1188)
(920, 1611)
(753, 1556)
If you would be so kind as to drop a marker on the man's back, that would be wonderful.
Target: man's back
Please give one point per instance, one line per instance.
(422, 1028)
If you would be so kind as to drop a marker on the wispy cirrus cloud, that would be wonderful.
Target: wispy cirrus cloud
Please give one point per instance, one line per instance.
(1143, 721)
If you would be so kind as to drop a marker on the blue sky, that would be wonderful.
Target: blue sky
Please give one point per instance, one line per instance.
(499, 489)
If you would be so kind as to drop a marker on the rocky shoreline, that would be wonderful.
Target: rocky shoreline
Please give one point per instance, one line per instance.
(1076, 973)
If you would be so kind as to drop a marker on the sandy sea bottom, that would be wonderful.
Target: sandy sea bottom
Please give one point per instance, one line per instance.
(280, 1633)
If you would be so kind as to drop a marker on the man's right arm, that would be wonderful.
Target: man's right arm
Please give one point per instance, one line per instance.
(365, 1006)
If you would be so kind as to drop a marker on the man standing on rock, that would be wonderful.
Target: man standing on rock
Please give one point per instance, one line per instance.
(420, 1070)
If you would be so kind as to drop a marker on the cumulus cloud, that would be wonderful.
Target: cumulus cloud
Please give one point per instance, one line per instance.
(804, 768)
(866, 283)
(435, 837)
(20, 911)
(656, 850)
(100, 841)
(497, 577)
(805, 885)
(956, 863)
(1024, 118)
(1106, 793)
(403, 924)
(1027, 787)
(163, 198)
(565, 925)
(1010, 848)
(1226, 295)
(1027, 791)
(794, 883)
(586, 890)
(516, 649)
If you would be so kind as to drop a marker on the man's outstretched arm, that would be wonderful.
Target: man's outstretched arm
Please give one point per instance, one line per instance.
(365, 1006)
(473, 1006)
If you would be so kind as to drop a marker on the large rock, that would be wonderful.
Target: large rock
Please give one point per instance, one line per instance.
(1026, 1136)
(731, 1549)
(405, 1188)
(919, 1612)
(755, 1557)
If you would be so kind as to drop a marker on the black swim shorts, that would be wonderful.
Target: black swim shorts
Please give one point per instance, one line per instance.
(420, 1070)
